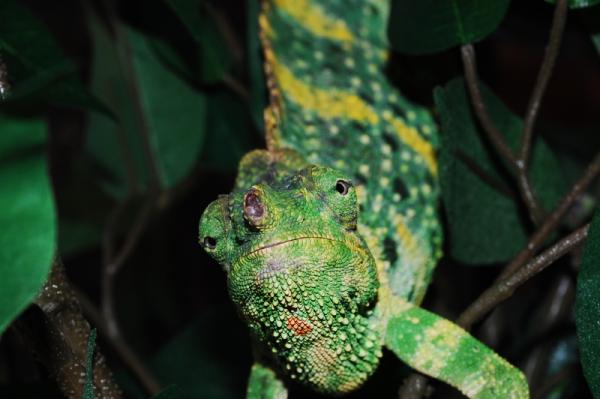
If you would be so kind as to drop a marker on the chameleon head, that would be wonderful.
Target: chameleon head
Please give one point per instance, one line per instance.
(300, 274)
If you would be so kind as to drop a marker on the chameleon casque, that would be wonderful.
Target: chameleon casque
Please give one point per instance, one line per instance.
(330, 235)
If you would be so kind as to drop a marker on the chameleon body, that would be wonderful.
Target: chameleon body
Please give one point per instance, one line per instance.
(330, 236)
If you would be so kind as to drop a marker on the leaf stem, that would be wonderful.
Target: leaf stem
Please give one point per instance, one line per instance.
(504, 288)
(552, 49)
(535, 210)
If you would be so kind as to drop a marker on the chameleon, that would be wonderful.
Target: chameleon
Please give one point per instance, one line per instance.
(330, 234)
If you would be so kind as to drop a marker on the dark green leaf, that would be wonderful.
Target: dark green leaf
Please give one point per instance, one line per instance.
(152, 103)
(587, 307)
(214, 54)
(230, 133)
(210, 359)
(579, 3)
(428, 26)
(171, 392)
(27, 217)
(88, 388)
(258, 92)
(485, 225)
(38, 69)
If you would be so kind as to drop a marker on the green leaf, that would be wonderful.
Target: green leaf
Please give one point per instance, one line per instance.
(88, 388)
(485, 225)
(587, 307)
(231, 133)
(210, 359)
(151, 103)
(578, 3)
(428, 26)
(27, 217)
(170, 392)
(214, 55)
(38, 69)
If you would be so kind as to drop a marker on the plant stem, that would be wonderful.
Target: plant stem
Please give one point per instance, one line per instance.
(552, 221)
(504, 288)
(556, 33)
(64, 348)
(496, 138)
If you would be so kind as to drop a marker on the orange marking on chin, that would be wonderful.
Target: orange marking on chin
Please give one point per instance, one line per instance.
(298, 326)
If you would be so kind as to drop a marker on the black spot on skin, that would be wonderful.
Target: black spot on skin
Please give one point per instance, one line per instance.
(367, 97)
(398, 110)
(359, 127)
(391, 141)
(361, 179)
(400, 187)
(337, 141)
(361, 208)
(389, 250)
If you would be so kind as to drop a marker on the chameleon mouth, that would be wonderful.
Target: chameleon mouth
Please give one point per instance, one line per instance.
(267, 247)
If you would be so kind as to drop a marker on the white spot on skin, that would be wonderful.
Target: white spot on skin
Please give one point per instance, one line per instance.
(405, 155)
(426, 129)
(355, 81)
(372, 69)
(396, 197)
(411, 115)
(387, 115)
(386, 165)
(364, 169)
(365, 139)
(319, 55)
(384, 181)
(386, 149)
(333, 129)
(426, 189)
(349, 62)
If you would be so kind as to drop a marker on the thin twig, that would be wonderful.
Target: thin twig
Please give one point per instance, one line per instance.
(113, 264)
(552, 221)
(236, 86)
(137, 367)
(556, 34)
(226, 29)
(536, 211)
(504, 289)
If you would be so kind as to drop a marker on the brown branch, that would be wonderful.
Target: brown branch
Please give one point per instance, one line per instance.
(4, 85)
(536, 212)
(64, 347)
(504, 289)
(414, 387)
(552, 221)
(556, 33)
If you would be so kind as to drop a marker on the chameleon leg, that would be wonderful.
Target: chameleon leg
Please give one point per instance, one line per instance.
(438, 348)
(264, 384)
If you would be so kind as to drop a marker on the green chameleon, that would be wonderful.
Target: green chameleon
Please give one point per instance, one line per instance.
(330, 236)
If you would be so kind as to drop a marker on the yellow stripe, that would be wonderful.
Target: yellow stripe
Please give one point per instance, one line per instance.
(410, 137)
(438, 345)
(334, 103)
(312, 18)
(328, 104)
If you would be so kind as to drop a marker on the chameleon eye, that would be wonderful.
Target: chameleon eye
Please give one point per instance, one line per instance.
(210, 242)
(342, 187)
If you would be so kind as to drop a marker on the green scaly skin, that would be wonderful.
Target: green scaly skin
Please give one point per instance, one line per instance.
(329, 238)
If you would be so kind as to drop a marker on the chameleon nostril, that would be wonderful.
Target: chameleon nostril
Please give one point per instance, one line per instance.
(253, 206)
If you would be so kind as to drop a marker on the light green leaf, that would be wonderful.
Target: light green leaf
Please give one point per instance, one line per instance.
(428, 26)
(258, 87)
(485, 225)
(150, 101)
(27, 217)
(587, 307)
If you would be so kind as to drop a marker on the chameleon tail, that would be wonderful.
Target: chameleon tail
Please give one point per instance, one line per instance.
(438, 348)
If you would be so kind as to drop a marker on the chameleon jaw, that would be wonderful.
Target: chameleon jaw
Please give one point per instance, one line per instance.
(267, 247)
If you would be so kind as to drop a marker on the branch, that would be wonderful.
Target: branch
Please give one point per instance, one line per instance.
(64, 347)
(4, 85)
(504, 289)
(552, 221)
(468, 57)
(556, 33)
